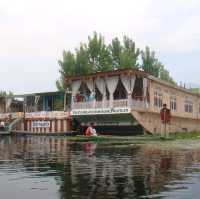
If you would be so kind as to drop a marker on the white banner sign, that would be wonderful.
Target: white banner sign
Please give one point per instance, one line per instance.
(50, 114)
(40, 124)
(102, 111)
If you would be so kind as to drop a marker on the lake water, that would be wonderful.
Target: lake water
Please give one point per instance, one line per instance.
(55, 168)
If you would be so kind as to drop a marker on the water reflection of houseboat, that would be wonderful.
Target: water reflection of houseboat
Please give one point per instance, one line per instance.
(36, 113)
(130, 101)
(100, 171)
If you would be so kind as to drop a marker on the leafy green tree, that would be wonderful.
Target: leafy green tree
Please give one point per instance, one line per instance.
(130, 54)
(124, 55)
(82, 66)
(67, 64)
(164, 75)
(116, 51)
(149, 63)
(67, 68)
(98, 54)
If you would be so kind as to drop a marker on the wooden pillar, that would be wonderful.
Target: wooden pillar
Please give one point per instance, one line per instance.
(62, 125)
(69, 124)
(65, 102)
(59, 125)
(27, 125)
(65, 125)
(53, 126)
(31, 126)
(50, 128)
(47, 130)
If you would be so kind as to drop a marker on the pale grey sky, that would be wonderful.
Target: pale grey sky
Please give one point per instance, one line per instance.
(33, 34)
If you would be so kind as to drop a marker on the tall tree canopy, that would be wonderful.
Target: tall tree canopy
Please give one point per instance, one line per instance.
(125, 54)
(97, 56)
(151, 65)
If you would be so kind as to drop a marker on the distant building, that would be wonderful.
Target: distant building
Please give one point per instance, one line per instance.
(39, 112)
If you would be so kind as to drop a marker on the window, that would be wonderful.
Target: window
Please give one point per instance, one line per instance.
(173, 104)
(158, 99)
(188, 106)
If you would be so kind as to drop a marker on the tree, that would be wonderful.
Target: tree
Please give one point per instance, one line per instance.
(130, 54)
(97, 56)
(116, 51)
(67, 68)
(151, 65)
(124, 55)
(82, 67)
(164, 75)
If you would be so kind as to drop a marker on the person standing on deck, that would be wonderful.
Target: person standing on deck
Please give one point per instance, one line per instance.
(165, 116)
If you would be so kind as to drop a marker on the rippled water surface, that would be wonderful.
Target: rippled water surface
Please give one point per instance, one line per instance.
(54, 168)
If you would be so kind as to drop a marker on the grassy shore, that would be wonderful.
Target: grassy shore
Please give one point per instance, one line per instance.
(182, 140)
(187, 135)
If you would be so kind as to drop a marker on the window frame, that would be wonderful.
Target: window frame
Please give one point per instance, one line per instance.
(158, 99)
(173, 103)
(188, 105)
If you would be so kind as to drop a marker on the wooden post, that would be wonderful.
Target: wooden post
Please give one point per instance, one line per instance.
(52, 100)
(65, 101)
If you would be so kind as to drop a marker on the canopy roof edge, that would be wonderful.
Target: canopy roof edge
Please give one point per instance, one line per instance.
(106, 74)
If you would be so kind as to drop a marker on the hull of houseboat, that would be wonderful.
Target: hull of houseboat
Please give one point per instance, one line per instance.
(110, 124)
(46, 122)
(54, 122)
(151, 123)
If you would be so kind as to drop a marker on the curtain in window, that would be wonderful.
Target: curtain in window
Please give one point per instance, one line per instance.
(90, 85)
(111, 83)
(100, 83)
(145, 86)
(37, 97)
(75, 87)
(133, 78)
(129, 83)
(8, 103)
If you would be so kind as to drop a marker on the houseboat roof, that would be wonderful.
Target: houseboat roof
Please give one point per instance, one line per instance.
(129, 71)
(168, 84)
(34, 94)
(107, 73)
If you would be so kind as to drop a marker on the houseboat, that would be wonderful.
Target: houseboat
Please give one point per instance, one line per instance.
(129, 101)
(38, 113)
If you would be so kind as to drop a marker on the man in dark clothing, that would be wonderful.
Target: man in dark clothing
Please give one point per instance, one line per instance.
(165, 116)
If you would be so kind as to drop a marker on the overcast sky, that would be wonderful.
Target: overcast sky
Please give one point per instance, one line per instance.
(33, 34)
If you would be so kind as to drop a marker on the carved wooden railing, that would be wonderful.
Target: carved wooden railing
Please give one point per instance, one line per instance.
(108, 104)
